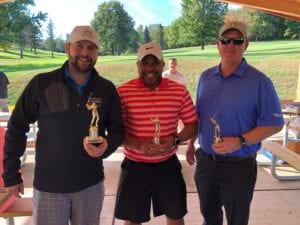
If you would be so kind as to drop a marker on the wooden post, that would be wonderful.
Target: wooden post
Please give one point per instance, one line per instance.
(298, 86)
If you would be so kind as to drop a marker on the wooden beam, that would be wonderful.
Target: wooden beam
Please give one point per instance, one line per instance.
(3, 1)
(289, 9)
(20, 207)
(298, 86)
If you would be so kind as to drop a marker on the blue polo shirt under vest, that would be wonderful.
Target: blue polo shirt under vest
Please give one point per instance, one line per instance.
(79, 88)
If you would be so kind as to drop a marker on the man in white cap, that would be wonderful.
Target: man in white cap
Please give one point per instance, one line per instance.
(151, 171)
(237, 107)
(68, 177)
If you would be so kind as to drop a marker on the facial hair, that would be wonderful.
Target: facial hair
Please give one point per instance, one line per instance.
(151, 79)
(76, 64)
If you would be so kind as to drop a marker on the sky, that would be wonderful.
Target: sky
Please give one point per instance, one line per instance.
(66, 14)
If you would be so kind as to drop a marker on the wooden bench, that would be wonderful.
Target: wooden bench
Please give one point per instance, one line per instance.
(20, 207)
(280, 152)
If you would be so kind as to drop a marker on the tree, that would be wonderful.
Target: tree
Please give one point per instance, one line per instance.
(60, 45)
(266, 26)
(16, 23)
(14, 20)
(50, 29)
(153, 32)
(156, 32)
(175, 35)
(279, 25)
(293, 29)
(12, 13)
(115, 26)
(21, 31)
(161, 36)
(140, 33)
(6, 39)
(146, 35)
(5, 45)
(202, 19)
(134, 43)
(35, 27)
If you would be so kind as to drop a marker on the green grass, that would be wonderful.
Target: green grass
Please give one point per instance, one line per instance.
(278, 59)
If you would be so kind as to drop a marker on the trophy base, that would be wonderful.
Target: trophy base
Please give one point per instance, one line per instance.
(95, 140)
(93, 137)
(156, 141)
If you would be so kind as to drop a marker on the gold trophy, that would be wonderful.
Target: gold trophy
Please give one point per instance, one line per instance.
(217, 135)
(156, 134)
(94, 137)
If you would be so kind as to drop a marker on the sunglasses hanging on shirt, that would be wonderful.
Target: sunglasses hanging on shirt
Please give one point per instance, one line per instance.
(236, 41)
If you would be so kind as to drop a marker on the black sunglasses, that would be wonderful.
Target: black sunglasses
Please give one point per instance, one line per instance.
(236, 41)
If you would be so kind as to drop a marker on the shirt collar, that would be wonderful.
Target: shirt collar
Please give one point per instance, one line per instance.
(79, 88)
(240, 71)
(162, 85)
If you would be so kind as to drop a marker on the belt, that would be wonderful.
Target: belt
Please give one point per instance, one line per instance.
(218, 158)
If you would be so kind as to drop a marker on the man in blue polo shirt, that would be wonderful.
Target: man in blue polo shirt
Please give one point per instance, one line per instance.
(237, 107)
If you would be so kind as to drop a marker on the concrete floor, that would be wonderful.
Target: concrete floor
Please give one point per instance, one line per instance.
(275, 202)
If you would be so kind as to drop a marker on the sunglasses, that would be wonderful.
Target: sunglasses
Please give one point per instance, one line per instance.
(236, 41)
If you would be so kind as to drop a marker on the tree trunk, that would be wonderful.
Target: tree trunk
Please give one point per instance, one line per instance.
(21, 52)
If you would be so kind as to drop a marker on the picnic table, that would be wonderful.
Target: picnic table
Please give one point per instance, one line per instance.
(11, 207)
(281, 151)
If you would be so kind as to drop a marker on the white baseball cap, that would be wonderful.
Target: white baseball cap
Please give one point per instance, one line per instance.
(80, 33)
(150, 48)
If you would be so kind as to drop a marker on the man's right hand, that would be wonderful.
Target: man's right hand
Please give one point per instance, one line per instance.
(190, 153)
(16, 190)
(148, 148)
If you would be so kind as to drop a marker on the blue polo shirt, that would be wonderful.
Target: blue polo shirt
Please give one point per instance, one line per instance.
(240, 102)
(79, 88)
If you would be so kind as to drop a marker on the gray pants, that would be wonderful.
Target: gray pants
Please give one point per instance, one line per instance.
(79, 208)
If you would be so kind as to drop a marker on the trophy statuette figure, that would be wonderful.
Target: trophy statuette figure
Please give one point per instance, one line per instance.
(156, 134)
(94, 137)
(217, 134)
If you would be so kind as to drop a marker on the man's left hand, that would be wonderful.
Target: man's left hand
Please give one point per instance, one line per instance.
(227, 145)
(95, 151)
(166, 144)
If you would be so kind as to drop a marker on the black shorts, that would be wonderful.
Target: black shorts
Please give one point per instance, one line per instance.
(140, 183)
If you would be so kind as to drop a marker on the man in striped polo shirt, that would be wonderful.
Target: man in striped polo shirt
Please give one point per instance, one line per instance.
(151, 171)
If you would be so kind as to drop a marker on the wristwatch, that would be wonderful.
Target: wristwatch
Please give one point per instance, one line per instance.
(176, 141)
(243, 142)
